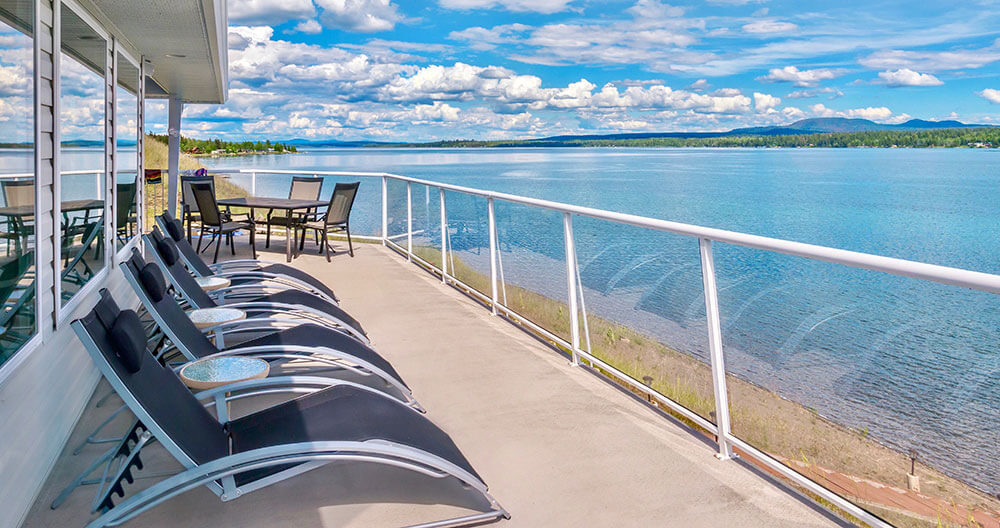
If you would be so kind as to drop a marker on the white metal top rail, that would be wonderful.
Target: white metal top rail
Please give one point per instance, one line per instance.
(919, 270)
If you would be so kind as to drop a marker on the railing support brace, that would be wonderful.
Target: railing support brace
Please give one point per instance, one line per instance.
(574, 315)
(444, 242)
(385, 211)
(493, 252)
(715, 349)
(253, 183)
(409, 222)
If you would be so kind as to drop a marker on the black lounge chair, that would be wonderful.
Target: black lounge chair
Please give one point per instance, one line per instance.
(242, 270)
(331, 349)
(248, 297)
(336, 421)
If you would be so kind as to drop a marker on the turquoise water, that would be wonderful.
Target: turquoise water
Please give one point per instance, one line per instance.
(916, 365)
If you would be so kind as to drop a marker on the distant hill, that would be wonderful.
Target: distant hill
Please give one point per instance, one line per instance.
(816, 125)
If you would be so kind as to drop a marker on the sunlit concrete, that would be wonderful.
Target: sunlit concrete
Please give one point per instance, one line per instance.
(557, 445)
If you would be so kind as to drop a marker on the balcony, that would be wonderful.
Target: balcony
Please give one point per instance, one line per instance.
(558, 445)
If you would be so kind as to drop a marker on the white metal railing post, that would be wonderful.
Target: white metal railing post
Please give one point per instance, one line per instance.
(444, 242)
(715, 349)
(253, 183)
(385, 210)
(493, 252)
(574, 317)
(409, 222)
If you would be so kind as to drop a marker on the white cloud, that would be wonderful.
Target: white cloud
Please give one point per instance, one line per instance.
(908, 77)
(764, 102)
(990, 95)
(880, 113)
(933, 61)
(699, 85)
(363, 16)
(769, 26)
(803, 78)
(538, 6)
(833, 93)
(271, 12)
(310, 26)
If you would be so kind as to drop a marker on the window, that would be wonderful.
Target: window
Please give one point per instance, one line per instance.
(126, 151)
(82, 162)
(17, 176)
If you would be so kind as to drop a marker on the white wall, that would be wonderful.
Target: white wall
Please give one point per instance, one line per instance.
(40, 404)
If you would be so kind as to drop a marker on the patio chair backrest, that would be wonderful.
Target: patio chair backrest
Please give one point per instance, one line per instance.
(18, 192)
(187, 196)
(116, 341)
(204, 195)
(175, 230)
(341, 203)
(149, 284)
(165, 253)
(11, 273)
(126, 203)
(305, 188)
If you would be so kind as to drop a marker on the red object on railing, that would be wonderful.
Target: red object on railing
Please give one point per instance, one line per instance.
(154, 175)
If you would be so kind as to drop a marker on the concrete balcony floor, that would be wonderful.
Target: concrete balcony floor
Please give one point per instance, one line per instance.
(557, 445)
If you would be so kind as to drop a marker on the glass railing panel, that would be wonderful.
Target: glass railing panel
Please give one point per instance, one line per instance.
(645, 303)
(532, 265)
(843, 374)
(396, 212)
(427, 223)
(468, 240)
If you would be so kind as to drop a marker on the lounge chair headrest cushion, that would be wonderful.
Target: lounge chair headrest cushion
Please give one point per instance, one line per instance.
(106, 309)
(129, 340)
(174, 228)
(167, 250)
(152, 282)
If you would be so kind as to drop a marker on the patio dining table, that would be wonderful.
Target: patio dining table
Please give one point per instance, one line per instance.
(281, 204)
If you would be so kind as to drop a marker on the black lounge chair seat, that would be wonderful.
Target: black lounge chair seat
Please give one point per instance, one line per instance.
(282, 269)
(339, 413)
(315, 335)
(310, 301)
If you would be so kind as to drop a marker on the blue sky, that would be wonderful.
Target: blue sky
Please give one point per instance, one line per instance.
(417, 71)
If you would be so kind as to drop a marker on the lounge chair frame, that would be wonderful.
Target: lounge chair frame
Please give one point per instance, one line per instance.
(332, 358)
(218, 475)
(220, 268)
(297, 311)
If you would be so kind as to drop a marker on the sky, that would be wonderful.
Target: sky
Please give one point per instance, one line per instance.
(399, 70)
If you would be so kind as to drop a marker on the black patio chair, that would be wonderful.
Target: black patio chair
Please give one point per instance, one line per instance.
(303, 188)
(213, 222)
(336, 218)
(125, 213)
(18, 193)
(190, 212)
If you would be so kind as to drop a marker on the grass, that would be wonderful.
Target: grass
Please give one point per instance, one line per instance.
(156, 196)
(784, 429)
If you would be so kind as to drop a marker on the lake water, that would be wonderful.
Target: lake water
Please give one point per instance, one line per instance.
(916, 365)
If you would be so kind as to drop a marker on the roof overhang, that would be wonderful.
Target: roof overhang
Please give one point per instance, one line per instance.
(185, 42)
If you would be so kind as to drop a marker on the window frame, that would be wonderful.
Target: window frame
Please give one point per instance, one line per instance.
(121, 255)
